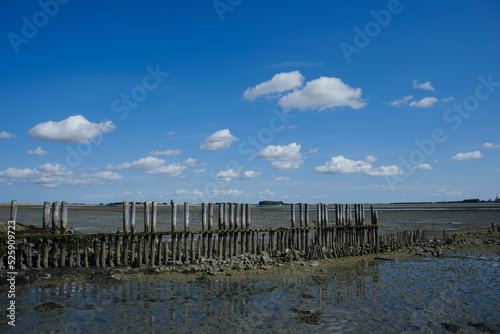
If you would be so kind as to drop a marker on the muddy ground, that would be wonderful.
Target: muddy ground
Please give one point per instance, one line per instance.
(481, 243)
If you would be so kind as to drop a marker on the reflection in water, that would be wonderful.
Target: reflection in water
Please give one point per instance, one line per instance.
(378, 296)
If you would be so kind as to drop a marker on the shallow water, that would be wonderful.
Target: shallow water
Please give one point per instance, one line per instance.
(416, 296)
(393, 218)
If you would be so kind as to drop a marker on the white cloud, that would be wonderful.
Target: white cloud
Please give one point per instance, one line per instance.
(199, 171)
(6, 135)
(74, 129)
(423, 85)
(384, 171)
(108, 176)
(167, 152)
(148, 163)
(219, 140)
(342, 165)
(51, 176)
(170, 171)
(282, 179)
(447, 99)
(282, 157)
(401, 101)
(228, 175)
(122, 166)
(423, 167)
(266, 192)
(444, 191)
(426, 102)
(370, 159)
(490, 145)
(467, 156)
(191, 162)
(323, 93)
(279, 83)
(250, 174)
(278, 152)
(37, 151)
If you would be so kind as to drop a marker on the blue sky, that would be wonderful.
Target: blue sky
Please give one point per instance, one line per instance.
(336, 102)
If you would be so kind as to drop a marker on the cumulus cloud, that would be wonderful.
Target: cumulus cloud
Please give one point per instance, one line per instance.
(466, 156)
(323, 93)
(282, 179)
(228, 175)
(171, 171)
(167, 152)
(279, 83)
(423, 85)
(53, 175)
(155, 166)
(266, 192)
(426, 102)
(342, 165)
(37, 151)
(282, 157)
(74, 129)
(218, 140)
(384, 171)
(107, 175)
(6, 135)
(423, 167)
(447, 99)
(401, 101)
(444, 191)
(490, 145)
(199, 171)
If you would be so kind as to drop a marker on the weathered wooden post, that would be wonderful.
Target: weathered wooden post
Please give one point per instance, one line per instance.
(146, 217)
(292, 218)
(154, 214)
(204, 228)
(210, 227)
(186, 229)
(126, 217)
(13, 211)
(174, 216)
(46, 217)
(55, 217)
(132, 217)
(64, 217)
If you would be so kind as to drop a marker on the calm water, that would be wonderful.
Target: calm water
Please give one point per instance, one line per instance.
(87, 219)
(414, 296)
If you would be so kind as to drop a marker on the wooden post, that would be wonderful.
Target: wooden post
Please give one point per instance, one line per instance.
(306, 214)
(126, 217)
(46, 217)
(186, 216)
(221, 216)
(55, 217)
(210, 216)
(204, 216)
(64, 217)
(132, 217)
(292, 218)
(13, 211)
(154, 213)
(248, 215)
(146, 217)
(174, 216)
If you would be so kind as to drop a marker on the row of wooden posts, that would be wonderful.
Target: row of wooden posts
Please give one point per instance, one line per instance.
(232, 237)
